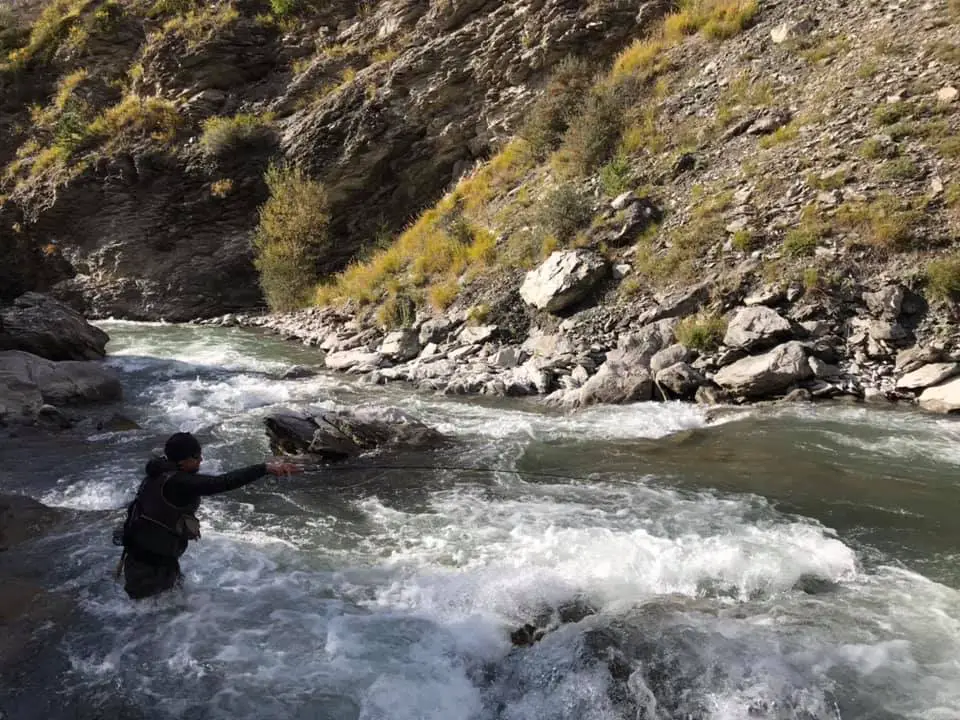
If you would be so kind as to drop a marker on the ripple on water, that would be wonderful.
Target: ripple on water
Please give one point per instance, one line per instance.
(376, 606)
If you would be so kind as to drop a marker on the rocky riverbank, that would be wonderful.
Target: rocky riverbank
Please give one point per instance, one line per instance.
(50, 364)
(878, 341)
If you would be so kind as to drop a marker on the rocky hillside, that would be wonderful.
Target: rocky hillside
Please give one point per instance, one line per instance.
(759, 189)
(752, 200)
(136, 133)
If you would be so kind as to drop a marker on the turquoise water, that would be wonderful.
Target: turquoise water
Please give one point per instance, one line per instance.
(790, 563)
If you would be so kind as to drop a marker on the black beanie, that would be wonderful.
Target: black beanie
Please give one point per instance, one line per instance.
(181, 446)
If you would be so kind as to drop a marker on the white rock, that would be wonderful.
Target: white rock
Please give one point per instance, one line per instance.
(789, 30)
(477, 334)
(948, 94)
(354, 360)
(462, 352)
(766, 374)
(927, 376)
(401, 345)
(580, 375)
(563, 279)
(623, 378)
(767, 295)
(669, 356)
(621, 201)
(755, 327)
(508, 357)
(943, 398)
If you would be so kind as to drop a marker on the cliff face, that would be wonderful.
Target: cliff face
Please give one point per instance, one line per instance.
(115, 198)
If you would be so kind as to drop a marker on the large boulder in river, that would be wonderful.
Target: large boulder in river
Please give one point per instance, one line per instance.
(756, 328)
(943, 398)
(623, 378)
(767, 374)
(333, 436)
(43, 326)
(563, 279)
(28, 382)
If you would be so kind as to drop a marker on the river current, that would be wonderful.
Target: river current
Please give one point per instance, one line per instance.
(791, 562)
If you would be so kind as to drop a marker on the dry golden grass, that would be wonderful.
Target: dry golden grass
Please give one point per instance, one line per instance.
(225, 134)
(51, 27)
(429, 261)
(152, 116)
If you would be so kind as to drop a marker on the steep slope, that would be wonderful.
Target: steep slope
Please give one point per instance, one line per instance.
(777, 182)
(120, 187)
(815, 139)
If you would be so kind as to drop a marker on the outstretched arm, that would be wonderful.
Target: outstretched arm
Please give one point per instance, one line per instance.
(182, 488)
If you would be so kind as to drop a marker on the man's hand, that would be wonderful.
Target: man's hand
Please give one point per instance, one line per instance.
(282, 468)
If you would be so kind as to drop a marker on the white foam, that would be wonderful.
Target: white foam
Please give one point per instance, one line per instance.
(548, 550)
(399, 613)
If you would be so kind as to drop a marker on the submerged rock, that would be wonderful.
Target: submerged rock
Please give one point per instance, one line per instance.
(22, 518)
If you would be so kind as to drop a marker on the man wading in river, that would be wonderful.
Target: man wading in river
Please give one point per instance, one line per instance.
(162, 519)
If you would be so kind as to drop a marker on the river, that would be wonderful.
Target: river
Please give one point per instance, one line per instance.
(792, 562)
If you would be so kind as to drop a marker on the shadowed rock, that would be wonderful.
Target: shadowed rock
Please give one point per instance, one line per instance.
(338, 435)
(43, 326)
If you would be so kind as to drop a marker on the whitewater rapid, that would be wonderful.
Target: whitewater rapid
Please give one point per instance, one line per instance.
(370, 593)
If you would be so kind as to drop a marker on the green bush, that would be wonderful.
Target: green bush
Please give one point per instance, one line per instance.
(562, 98)
(593, 135)
(801, 242)
(565, 210)
(616, 176)
(703, 332)
(943, 278)
(283, 8)
(225, 134)
(291, 236)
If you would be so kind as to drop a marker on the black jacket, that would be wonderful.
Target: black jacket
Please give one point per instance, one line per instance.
(162, 518)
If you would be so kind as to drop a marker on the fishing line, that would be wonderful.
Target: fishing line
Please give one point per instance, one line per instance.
(453, 468)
